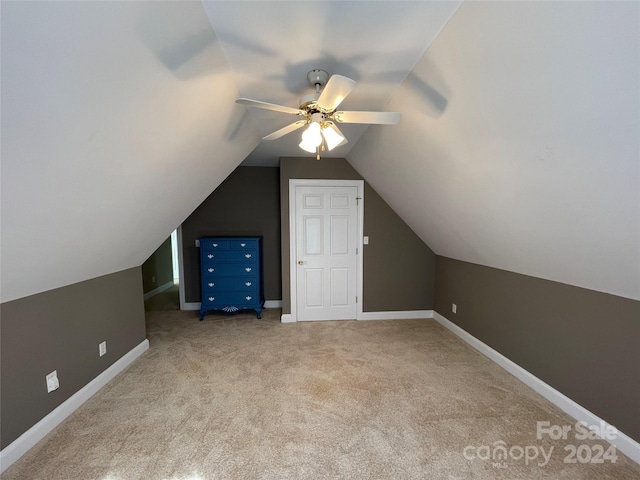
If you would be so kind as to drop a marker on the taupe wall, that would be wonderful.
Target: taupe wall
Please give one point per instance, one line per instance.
(399, 269)
(157, 270)
(60, 330)
(246, 203)
(581, 342)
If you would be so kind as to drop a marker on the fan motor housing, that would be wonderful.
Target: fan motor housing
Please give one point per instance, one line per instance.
(318, 77)
(308, 101)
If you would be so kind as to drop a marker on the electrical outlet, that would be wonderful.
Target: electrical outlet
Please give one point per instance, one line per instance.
(52, 381)
(454, 308)
(365, 240)
(197, 243)
(102, 348)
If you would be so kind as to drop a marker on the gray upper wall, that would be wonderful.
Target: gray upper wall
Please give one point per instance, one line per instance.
(247, 203)
(398, 267)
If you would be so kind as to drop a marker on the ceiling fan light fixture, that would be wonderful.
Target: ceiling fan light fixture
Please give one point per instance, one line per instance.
(307, 147)
(320, 114)
(311, 137)
(332, 136)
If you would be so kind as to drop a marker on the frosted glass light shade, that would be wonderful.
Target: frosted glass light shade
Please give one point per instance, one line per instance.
(332, 136)
(307, 147)
(312, 134)
(311, 138)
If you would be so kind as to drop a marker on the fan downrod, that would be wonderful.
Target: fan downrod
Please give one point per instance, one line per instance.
(317, 79)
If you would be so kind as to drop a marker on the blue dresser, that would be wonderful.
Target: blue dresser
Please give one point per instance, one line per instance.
(231, 274)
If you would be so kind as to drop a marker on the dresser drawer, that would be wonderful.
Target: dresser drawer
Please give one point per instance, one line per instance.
(231, 298)
(243, 244)
(229, 284)
(213, 244)
(230, 256)
(244, 269)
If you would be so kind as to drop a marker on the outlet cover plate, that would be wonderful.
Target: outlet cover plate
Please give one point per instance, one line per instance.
(102, 348)
(52, 381)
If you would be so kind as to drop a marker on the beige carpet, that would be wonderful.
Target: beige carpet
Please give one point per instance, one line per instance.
(234, 397)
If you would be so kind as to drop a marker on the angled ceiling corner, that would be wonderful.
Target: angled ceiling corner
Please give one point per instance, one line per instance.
(118, 119)
(519, 146)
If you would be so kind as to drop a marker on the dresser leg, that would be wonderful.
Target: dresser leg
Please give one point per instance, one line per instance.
(259, 312)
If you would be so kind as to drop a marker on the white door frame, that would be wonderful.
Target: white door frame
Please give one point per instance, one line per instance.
(293, 270)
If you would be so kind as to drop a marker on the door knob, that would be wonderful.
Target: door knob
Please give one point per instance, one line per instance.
(300, 262)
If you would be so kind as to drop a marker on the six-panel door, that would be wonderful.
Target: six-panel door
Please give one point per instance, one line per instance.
(326, 243)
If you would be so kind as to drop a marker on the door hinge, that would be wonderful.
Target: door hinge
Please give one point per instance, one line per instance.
(356, 299)
(356, 250)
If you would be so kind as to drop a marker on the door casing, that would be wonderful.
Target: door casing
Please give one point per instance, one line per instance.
(293, 183)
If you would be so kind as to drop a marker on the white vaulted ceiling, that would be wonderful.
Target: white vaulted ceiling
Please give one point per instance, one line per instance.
(118, 119)
(271, 46)
(518, 147)
(530, 162)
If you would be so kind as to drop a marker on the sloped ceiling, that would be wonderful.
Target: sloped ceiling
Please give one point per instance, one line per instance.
(529, 160)
(271, 46)
(118, 119)
(518, 146)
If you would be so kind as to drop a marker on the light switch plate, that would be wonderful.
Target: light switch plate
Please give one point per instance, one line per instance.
(197, 243)
(365, 240)
(102, 348)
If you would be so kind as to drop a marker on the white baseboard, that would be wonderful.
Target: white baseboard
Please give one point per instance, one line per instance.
(400, 315)
(28, 439)
(622, 442)
(287, 318)
(191, 306)
(158, 290)
(267, 304)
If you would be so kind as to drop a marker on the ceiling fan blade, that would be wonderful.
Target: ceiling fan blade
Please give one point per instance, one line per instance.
(284, 130)
(334, 92)
(372, 118)
(269, 106)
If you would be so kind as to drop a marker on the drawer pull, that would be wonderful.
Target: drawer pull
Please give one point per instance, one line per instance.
(211, 299)
(209, 256)
(247, 255)
(248, 284)
(211, 284)
(211, 270)
(215, 245)
(248, 269)
(243, 245)
(248, 297)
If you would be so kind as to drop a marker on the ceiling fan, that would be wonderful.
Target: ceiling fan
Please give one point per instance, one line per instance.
(319, 112)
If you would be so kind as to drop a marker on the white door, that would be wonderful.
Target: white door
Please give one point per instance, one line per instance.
(326, 232)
